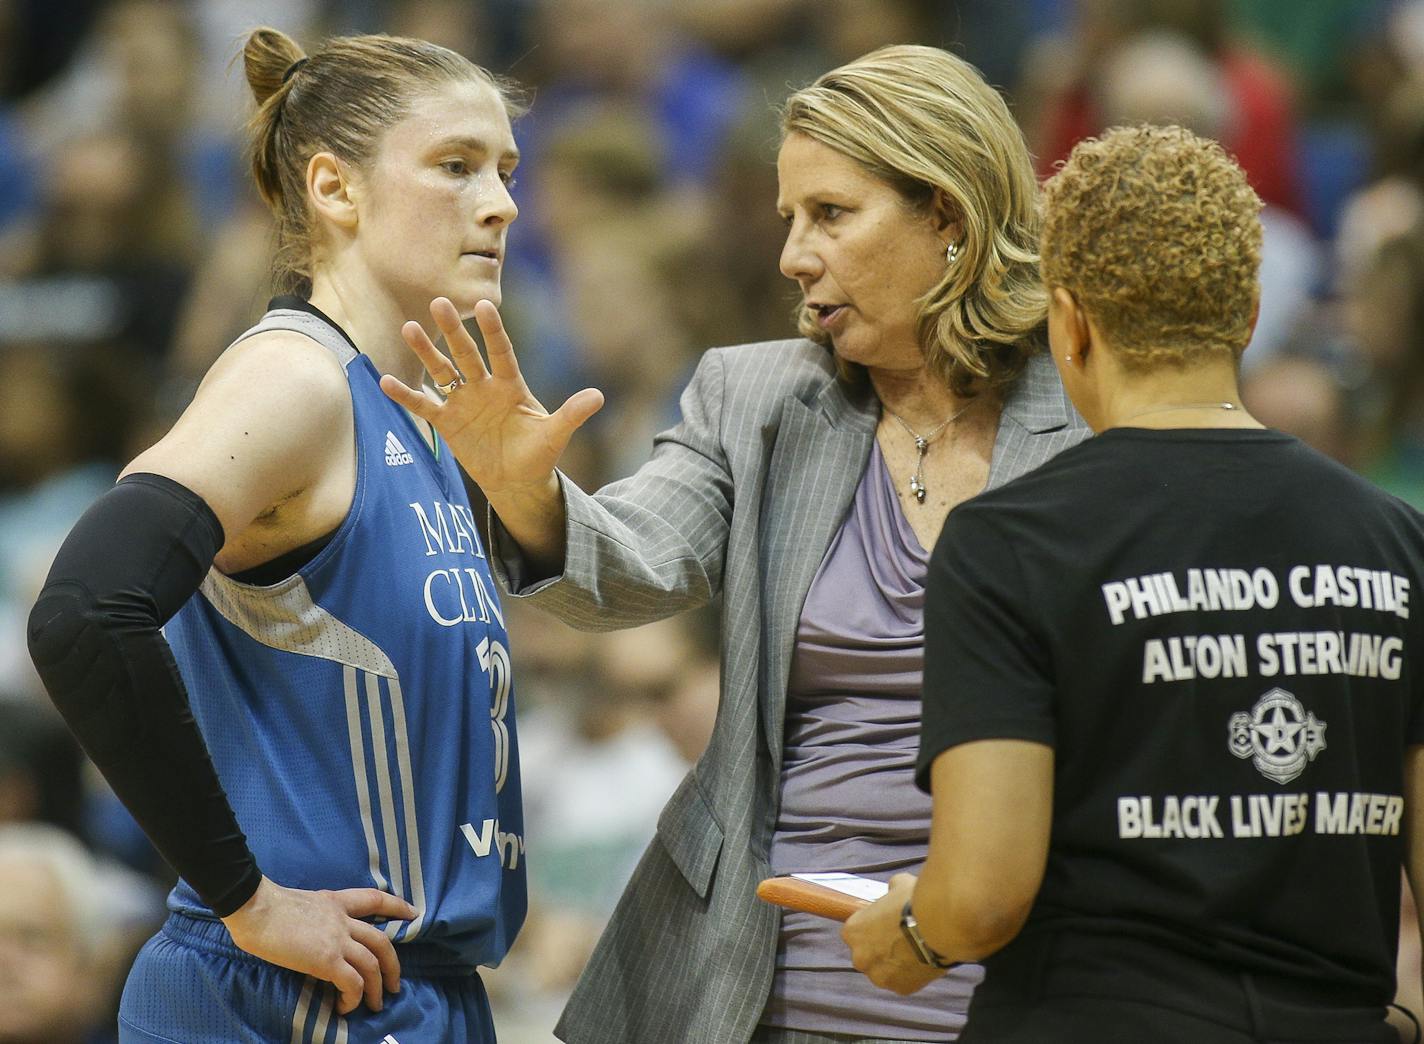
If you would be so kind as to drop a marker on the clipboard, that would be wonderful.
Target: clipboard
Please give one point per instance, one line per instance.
(835, 896)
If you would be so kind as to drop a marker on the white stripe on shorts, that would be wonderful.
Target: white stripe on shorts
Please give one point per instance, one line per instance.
(299, 1017)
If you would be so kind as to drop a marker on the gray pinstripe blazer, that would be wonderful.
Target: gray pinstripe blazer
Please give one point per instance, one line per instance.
(742, 498)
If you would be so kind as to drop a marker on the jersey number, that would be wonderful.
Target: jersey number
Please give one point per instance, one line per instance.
(494, 657)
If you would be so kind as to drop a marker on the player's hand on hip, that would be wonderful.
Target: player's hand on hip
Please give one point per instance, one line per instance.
(320, 933)
(497, 429)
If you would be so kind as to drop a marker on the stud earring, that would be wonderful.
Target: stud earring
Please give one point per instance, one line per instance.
(951, 253)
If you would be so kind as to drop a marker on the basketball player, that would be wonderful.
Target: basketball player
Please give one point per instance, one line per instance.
(332, 677)
(1179, 760)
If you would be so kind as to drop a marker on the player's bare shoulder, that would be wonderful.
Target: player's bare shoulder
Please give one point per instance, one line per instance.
(270, 427)
(281, 369)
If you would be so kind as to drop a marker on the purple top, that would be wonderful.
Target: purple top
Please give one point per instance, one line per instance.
(848, 795)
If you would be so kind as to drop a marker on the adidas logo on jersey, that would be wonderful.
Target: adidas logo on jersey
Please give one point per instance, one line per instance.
(396, 453)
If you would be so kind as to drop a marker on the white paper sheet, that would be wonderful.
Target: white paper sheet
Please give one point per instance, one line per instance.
(849, 884)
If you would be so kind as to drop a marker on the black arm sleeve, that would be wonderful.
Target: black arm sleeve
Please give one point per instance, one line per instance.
(139, 552)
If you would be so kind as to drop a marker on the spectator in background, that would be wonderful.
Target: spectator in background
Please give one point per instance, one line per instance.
(1320, 42)
(601, 770)
(66, 414)
(40, 767)
(846, 29)
(98, 264)
(139, 75)
(643, 262)
(631, 119)
(1062, 85)
(463, 26)
(68, 929)
(53, 988)
(1384, 318)
(1393, 202)
(1301, 396)
(230, 285)
(1163, 77)
(617, 234)
(749, 234)
(603, 166)
(630, 51)
(687, 712)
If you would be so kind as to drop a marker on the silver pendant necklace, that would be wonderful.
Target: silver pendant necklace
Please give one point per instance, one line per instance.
(1182, 406)
(922, 446)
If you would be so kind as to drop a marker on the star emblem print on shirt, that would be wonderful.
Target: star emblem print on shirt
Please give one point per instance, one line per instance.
(1278, 735)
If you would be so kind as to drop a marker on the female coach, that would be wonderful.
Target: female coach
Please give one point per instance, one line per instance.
(803, 485)
(1172, 710)
(331, 677)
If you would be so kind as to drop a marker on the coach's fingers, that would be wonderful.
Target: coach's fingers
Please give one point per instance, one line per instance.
(436, 362)
(497, 343)
(578, 408)
(379, 944)
(417, 402)
(463, 348)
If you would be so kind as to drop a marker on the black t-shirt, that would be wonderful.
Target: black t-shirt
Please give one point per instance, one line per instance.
(1216, 630)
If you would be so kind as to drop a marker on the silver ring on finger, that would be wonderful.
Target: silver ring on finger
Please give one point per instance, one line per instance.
(455, 382)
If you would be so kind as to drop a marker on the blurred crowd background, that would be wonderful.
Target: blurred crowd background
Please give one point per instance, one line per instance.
(133, 249)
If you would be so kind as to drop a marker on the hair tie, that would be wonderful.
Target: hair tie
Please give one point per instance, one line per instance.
(292, 69)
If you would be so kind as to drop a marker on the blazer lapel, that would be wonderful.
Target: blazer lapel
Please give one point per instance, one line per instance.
(1037, 404)
(820, 453)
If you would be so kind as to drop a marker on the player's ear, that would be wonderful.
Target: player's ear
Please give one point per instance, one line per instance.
(331, 190)
(1069, 332)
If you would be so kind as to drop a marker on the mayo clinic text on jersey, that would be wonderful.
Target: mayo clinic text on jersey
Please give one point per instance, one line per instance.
(456, 595)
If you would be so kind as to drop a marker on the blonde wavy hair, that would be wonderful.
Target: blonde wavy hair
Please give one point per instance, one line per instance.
(925, 122)
(340, 98)
(1157, 234)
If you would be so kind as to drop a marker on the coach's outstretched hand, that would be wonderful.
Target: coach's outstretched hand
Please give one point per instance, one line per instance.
(499, 432)
(497, 429)
(321, 934)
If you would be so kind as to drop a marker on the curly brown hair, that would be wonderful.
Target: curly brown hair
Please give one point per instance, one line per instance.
(1157, 234)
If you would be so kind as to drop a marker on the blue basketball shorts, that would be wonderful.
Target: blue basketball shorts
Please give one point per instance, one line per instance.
(191, 985)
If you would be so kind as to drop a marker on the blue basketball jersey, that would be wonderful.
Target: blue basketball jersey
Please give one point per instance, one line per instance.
(360, 713)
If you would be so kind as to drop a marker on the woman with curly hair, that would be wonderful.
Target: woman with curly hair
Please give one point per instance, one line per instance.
(802, 487)
(1172, 725)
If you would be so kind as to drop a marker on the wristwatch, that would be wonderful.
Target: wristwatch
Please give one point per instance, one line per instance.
(911, 928)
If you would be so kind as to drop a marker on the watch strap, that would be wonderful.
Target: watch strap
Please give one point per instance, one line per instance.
(911, 928)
